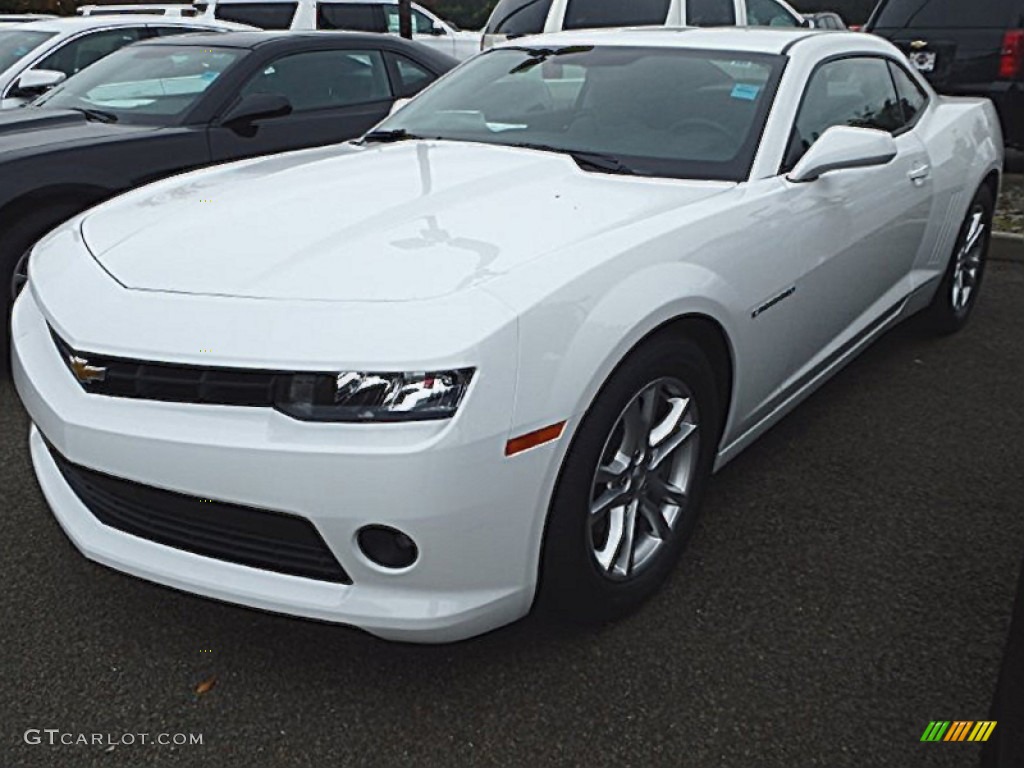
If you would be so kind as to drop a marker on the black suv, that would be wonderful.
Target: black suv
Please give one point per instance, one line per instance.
(964, 48)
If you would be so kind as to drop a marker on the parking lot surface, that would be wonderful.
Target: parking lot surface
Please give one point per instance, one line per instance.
(851, 580)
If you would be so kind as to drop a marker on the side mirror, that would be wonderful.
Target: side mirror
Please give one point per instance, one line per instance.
(257, 106)
(396, 105)
(842, 147)
(438, 29)
(36, 82)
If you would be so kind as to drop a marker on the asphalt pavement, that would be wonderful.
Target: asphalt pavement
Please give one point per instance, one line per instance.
(851, 580)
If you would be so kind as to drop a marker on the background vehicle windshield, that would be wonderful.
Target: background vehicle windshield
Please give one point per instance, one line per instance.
(16, 43)
(655, 111)
(149, 84)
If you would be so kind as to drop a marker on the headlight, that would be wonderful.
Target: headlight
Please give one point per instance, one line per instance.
(360, 396)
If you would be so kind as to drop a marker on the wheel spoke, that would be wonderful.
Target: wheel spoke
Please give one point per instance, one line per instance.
(616, 532)
(664, 492)
(610, 499)
(976, 231)
(622, 560)
(652, 513)
(672, 443)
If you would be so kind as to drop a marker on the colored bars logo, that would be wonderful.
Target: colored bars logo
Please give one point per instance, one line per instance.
(958, 730)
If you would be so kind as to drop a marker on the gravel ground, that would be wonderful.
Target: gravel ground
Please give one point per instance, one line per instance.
(1010, 211)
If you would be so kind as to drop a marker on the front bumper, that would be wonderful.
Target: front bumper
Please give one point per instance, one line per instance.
(475, 515)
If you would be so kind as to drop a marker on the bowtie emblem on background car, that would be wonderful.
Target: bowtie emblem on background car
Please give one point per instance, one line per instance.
(917, 45)
(85, 372)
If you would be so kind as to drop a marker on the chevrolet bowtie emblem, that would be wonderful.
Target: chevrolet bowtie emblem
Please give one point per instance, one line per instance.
(84, 372)
(917, 45)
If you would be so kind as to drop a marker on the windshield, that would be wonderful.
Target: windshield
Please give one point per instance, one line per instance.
(150, 84)
(647, 111)
(17, 43)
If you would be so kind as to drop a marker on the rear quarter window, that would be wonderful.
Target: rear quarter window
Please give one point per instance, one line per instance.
(946, 14)
(518, 17)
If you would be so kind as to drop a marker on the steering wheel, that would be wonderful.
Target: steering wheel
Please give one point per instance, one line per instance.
(703, 122)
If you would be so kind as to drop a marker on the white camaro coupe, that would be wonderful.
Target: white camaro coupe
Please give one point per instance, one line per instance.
(490, 354)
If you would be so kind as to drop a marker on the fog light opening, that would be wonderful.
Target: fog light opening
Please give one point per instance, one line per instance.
(387, 547)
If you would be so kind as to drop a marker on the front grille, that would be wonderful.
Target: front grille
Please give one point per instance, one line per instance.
(273, 541)
(174, 383)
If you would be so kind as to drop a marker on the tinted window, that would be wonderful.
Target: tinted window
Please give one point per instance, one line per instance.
(171, 31)
(421, 23)
(946, 13)
(703, 121)
(588, 14)
(324, 79)
(768, 13)
(412, 78)
(710, 13)
(262, 15)
(145, 82)
(15, 44)
(857, 92)
(518, 17)
(79, 53)
(912, 99)
(361, 17)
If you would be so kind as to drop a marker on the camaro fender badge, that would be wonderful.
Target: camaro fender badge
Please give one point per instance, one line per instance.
(917, 45)
(773, 301)
(85, 372)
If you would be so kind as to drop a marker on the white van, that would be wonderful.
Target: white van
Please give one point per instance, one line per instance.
(515, 18)
(356, 15)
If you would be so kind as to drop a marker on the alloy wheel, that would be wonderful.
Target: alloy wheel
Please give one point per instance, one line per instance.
(968, 260)
(641, 486)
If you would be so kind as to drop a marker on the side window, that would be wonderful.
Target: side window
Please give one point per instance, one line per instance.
(412, 78)
(360, 17)
(912, 99)
(79, 53)
(591, 14)
(324, 79)
(169, 31)
(857, 92)
(518, 17)
(263, 15)
(421, 23)
(710, 13)
(768, 13)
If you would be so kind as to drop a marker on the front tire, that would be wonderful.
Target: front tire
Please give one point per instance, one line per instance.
(958, 292)
(631, 484)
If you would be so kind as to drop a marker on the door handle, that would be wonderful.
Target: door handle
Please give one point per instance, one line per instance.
(919, 174)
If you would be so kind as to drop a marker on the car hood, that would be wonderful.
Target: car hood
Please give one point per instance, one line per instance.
(28, 128)
(398, 222)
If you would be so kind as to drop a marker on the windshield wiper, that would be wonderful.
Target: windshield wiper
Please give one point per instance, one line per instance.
(96, 114)
(540, 55)
(398, 134)
(597, 161)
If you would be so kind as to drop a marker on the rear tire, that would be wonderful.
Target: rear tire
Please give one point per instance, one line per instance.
(631, 484)
(957, 295)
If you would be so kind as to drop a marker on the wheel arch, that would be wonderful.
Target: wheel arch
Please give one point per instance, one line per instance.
(63, 196)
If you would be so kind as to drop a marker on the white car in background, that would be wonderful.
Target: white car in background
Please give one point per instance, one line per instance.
(517, 18)
(493, 352)
(38, 55)
(355, 15)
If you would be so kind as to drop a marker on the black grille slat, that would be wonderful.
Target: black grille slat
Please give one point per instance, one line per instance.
(117, 508)
(172, 383)
(273, 541)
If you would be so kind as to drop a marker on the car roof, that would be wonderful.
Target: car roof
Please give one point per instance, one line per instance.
(81, 23)
(746, 39)
(274, 38)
